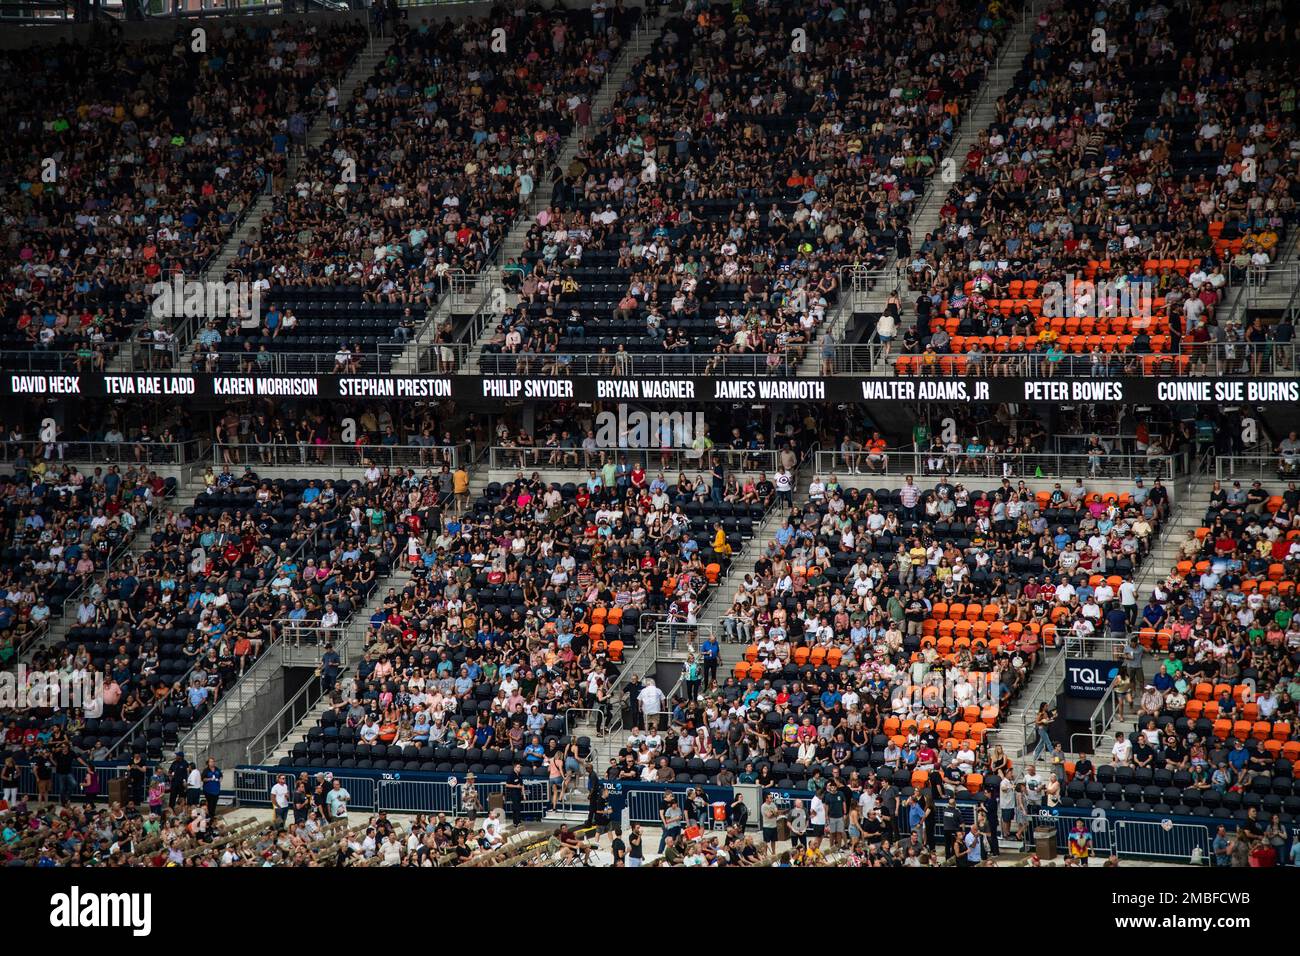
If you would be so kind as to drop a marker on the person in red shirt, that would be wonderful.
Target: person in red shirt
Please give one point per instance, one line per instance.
(927, 758)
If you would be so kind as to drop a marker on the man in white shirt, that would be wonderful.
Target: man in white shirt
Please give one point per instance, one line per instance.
(784, 482)
(816, 816)
(651, 699)
(280, 801)
(1122, 752)
(1128, 599)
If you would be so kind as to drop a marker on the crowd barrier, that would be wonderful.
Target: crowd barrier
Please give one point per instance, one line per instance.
(1128, 834)
(1175, 839)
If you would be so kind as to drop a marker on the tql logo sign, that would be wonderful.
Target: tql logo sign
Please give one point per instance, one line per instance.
(1088, 678)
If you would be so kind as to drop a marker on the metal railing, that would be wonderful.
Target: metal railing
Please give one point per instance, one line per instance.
(644, 655)
(303, 642)
(1109, 646)
(508, 458)
(1021, 731)
(373, 359)
(203, 732)
(1234, 359)
(142, 725)
(285, 650)
(70, 359)
(999, 465)
(1237, 360)
(674, 637)
(596, 715)
(1092, 739)
(267, 740)
(1152, 839)
(342, 456)
(1100, 719)
(443, 358)
(783, 363)
(406, 795)
(130, 451)
(1261, 467)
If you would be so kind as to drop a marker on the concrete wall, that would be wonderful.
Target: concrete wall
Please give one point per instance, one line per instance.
(235, 736)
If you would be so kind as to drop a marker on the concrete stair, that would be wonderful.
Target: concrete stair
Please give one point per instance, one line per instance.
(1190, 501)
(313, 718)
(975, 123)
(634, 50)
(251, 223)
(351, 647)
(1275, 291)
(218, 722)
(925, 217)
(1187, 515)
(67, 620)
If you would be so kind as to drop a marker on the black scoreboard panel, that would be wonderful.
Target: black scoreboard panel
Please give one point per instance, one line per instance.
(486, 389)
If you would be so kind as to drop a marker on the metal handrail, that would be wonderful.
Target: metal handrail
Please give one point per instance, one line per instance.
(278, 653)
(200, 735)
(990, 465)
(1101, 716)
(1042, 690)
(569, 723)
(1237, 359)
(344, 456)
(663, 633)
(1252, 467)
(632, 664)
(183, 680)
(296, 709)
(506, 458)
(378, 358)
(569, 361)
(1088, 735)
(108, 452)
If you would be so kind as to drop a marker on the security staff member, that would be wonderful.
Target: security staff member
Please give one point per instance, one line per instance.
(515, 793)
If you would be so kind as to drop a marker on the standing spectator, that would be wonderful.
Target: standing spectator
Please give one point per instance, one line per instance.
(280, 801)
(515, 793)
(212, 786)
(769, 816)
(336, 801)
(176, 775)
(1080, 843)
(670, 817)
(651, 700)
(193, 786)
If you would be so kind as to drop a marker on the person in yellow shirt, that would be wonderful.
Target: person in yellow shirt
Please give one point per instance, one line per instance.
(720, 545)
(460, 487)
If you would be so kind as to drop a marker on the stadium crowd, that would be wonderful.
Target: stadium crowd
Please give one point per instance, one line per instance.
(1141, 178)
(146, 176)
(713, 213)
